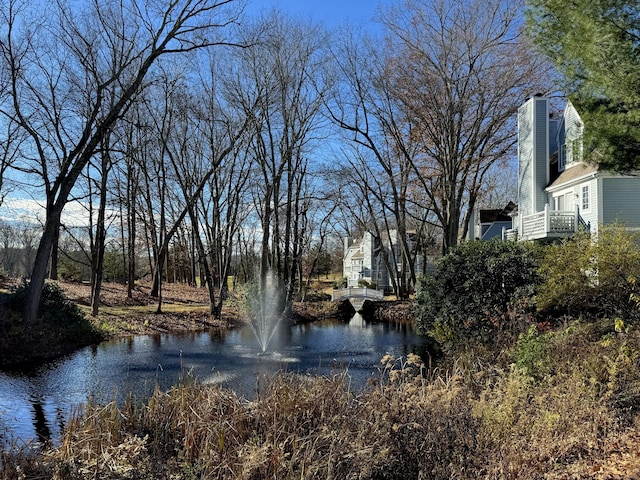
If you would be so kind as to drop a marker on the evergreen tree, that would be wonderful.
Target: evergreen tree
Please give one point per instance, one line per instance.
(596, 47)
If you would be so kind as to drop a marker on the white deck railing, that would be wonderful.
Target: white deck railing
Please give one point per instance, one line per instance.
(549, 224)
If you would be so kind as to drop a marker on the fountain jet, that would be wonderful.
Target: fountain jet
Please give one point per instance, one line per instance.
(267, 312)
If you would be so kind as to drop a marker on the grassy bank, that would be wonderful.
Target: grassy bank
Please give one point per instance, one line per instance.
(555, 405)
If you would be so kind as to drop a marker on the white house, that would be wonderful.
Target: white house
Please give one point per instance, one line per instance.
(558, 193)
(360, 260)
(364, 262)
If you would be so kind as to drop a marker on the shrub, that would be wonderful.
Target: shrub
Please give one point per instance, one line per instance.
(54, 307)
(341, 283)
(532, 353)
(466, 299)
(69, 271)
(60, 328)
(583, 276)
(115, 269)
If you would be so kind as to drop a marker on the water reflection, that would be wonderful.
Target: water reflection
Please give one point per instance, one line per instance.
(40, 424)
(34, 404)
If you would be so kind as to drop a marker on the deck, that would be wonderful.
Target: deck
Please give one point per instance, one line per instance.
(550, 224)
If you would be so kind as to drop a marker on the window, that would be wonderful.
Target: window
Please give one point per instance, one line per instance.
(585, 197)
(562, 157)
(573, 143)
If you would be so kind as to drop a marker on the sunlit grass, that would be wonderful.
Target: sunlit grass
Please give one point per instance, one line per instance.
(135, 319)
(129, 310)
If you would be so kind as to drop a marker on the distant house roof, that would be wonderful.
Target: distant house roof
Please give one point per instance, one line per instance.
(497, 215)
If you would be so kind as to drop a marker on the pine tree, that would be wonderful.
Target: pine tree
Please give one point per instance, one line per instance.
(595, 46)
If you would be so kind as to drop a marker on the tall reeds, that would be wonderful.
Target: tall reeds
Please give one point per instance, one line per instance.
(576, 417)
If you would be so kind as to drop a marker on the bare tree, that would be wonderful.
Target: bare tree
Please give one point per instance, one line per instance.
(9, 250)
(318, 227)
(98, 242)
(438, 99)
(224, 201)
(280, 75)
(187, 161)
(379, 168)
(460, 70)
(132, 147)
(75, 73)
(10, 141)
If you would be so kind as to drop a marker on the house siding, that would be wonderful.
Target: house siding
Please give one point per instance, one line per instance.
(525, 159)
(611, 197)
(591, 215)
(553, 136)
(364, 259)
(495, 230)
(541, 151)
(573, 129)
(620, 200)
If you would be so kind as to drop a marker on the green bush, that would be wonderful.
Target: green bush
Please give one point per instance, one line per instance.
(342, 283)
(60, 328)
(54, 307)
(466, 300)
(115, 269)
(532, 353)
(69, 270)
(592, 277)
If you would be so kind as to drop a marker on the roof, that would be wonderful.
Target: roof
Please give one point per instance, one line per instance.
(497, 215)
(573, 173)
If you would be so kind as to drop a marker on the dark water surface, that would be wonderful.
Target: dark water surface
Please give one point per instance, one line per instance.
(36, 403)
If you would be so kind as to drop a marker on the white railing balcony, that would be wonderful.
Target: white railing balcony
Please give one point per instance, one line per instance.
(549, 224)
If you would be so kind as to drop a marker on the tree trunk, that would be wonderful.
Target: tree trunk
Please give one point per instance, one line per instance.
(98, 269)
(39, 271)
(205, 269)
(131, 240)
(53, 268)
(158, 270)
(97, 266)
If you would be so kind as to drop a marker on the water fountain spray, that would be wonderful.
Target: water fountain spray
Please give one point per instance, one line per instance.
(266, 311)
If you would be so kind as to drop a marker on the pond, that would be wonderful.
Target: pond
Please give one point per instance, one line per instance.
(35, 404)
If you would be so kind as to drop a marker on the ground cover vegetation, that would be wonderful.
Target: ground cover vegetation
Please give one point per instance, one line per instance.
(61, 327)
(554, 394)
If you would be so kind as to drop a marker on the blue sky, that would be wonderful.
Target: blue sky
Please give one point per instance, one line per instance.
(330, 12)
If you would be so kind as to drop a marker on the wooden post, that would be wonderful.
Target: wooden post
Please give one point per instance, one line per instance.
(547, 219)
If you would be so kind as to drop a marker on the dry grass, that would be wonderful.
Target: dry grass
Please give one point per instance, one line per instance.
(184, 308)
(474, 421)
